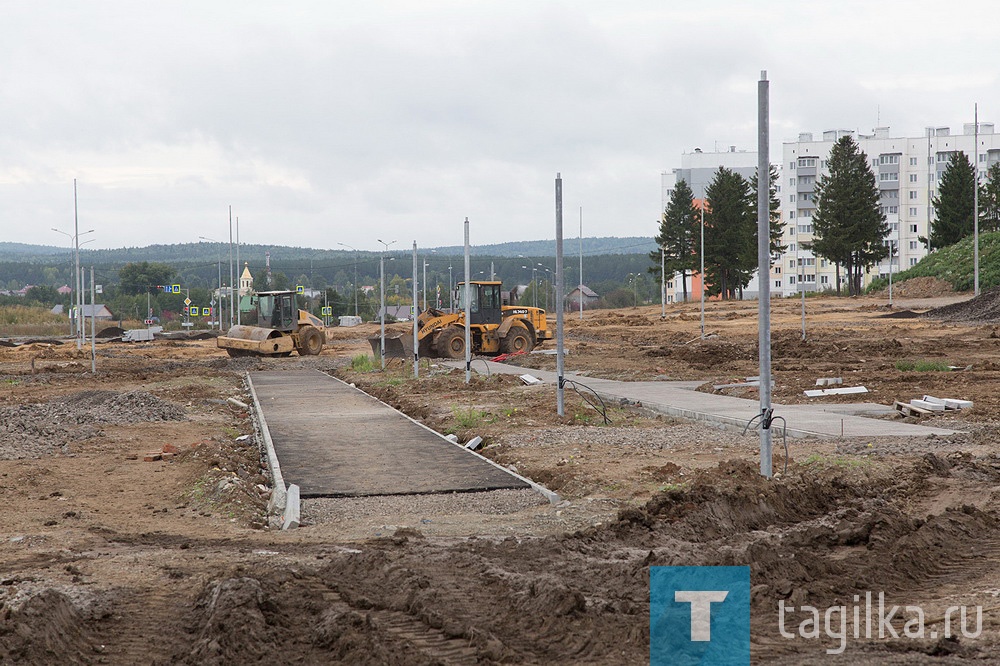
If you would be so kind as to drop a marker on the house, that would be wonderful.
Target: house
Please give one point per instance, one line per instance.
(397, 312)
(583, 291)
(64, 290)
(98, 311)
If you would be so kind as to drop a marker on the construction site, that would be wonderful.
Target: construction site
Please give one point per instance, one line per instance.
(147, 513)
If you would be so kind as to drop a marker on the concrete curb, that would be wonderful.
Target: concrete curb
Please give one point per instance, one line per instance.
(551, 496)
(277, 507)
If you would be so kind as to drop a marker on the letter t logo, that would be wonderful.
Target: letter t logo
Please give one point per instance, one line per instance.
(701, 611)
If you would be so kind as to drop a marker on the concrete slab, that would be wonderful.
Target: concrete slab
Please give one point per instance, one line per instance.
(333, 440)
(677, 399)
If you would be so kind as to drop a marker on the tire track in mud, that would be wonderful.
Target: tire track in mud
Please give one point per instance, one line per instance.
(429, 642)
(143, 623)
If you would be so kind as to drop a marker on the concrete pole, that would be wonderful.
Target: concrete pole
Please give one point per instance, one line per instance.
(93, 326)
(703, 268)
(381, 287)
(560, 400)
(232, 312)
(663, 285)
(764, 271)
(239, 274)
(975, 202)
(468, 308)
(581, 263)
(79, 283)
(416, 327)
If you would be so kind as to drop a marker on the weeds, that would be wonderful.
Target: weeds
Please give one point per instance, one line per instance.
(922, 366)
(362, 363)
(467, 418)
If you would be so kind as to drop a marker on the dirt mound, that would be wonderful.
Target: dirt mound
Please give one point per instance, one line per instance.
(985, 308)
(37, 629)
(111, 332)
(919, 287)
(32, 430)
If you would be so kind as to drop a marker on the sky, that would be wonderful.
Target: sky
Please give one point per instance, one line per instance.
(333, 122)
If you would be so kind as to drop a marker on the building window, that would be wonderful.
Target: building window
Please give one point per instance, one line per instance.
(791, 215)
(982, 157)
(913, 177)
(888, 159)
(913, 228)
(805, 228)
(791, 166)
(791, 279)
(913, 212)
(894, 175)
(807, 162)
(913, 161)
(824, 279)
(913, 261)
(791, 248)
(913, 194)
(913, 245)
(805, 213)
(791, 263)
(791, 181)
(791, 198)
(890, 194)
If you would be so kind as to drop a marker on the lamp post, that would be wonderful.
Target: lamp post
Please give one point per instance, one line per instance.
(534, 287)
(549, 271)
(78, 301)
(425, 285)
(355, 275)
(218, 319)
(381, 273)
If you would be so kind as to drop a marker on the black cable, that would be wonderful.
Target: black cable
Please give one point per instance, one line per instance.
(603, 409)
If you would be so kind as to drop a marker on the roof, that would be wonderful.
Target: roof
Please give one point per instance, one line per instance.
(586, 291)
(246, 272)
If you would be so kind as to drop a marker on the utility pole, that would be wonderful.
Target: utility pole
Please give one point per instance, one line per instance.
(468, 308)
(355, 276)
(581, 263)
(416, 353)
(764, 271)
(560, 408)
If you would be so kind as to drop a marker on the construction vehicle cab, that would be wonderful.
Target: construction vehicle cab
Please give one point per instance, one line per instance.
(281, 329)
(494, 328)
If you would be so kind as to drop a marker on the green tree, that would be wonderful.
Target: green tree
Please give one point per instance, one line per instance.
(953, 205)
(679, 235)
(143, 277)
(730, 234)
(774, 210)
(849, 225)
(989, 200)
(44, 294)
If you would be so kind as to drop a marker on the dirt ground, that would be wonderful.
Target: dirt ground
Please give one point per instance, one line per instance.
(109, 558)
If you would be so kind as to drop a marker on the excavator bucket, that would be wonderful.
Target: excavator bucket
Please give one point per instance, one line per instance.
(396, 346)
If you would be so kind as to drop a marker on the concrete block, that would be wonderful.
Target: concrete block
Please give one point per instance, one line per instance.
(929, 406)
(152, 456)
(530, 380)
(829, 381)
(474, 443)
(957, 404)
(290, 518)
(847, 390)
(453, 438)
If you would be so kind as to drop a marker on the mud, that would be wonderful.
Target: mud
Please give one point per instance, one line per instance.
(105, 558)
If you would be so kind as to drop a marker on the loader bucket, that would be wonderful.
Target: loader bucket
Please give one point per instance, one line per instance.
(397, 346)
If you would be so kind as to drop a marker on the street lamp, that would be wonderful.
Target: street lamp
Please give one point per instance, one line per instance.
(218, 254)
(381, 272)
(355, 275)
(534, 288)
(549, 271)
(75, 239)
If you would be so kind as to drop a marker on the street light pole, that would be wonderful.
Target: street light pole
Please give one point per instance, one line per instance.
(355, 276)
(218, 256)
(381, 272)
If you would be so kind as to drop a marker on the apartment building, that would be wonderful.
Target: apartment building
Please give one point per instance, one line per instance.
(907, 170)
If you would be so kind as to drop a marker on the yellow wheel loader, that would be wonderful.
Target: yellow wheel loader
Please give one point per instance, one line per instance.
(494, 328)
(281, 329)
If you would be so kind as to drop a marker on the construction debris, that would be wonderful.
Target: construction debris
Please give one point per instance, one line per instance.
(829, 381)
(815, 393)
(930, 405)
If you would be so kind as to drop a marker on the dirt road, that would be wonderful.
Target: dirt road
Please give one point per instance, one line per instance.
(106, 557)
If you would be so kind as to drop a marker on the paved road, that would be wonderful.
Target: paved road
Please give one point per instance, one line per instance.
(681, 400)
(333, 440)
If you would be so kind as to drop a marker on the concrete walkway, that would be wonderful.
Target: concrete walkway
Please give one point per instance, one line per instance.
(333, 440)
(681, 400)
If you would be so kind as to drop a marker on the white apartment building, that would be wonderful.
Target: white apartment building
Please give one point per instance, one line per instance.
(907, 170)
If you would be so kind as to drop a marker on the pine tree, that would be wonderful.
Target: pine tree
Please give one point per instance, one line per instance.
(774, 207)
(730, 233)
(989, 200)
(849, 225)
(678, 235)
(953, 206)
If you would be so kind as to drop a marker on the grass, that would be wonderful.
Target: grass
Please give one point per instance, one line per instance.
(27, 320)
(362, 363)
(922, 366)
(467, 418)
(824, 461)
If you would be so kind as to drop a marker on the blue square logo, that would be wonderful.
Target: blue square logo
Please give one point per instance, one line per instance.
(699, 615)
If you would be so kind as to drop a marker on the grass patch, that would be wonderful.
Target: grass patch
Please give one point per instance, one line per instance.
(467, 418)
(362, 363)
(817, 460)
(922, 366)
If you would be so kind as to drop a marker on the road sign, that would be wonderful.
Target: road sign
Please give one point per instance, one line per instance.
(299, 289)
(195, 311)
(148, 322)
(187, 301)
(176, 288)
(326, 310)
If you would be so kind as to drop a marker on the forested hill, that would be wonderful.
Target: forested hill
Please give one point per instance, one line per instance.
(205, 252)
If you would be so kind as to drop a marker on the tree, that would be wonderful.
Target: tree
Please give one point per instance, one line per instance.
(954, 203)
(44, 294)
(989, 200)
(679, 235)
(730, 233)
(143, 277)
(774, 210)
(849, 226)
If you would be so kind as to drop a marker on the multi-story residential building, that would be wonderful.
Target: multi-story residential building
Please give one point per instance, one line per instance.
(697, 169)
(907, 170)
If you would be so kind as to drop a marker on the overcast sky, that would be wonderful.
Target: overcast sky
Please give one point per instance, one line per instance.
(346, 122)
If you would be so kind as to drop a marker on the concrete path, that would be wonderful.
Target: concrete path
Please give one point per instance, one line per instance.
(333, 440)
(681, 400)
